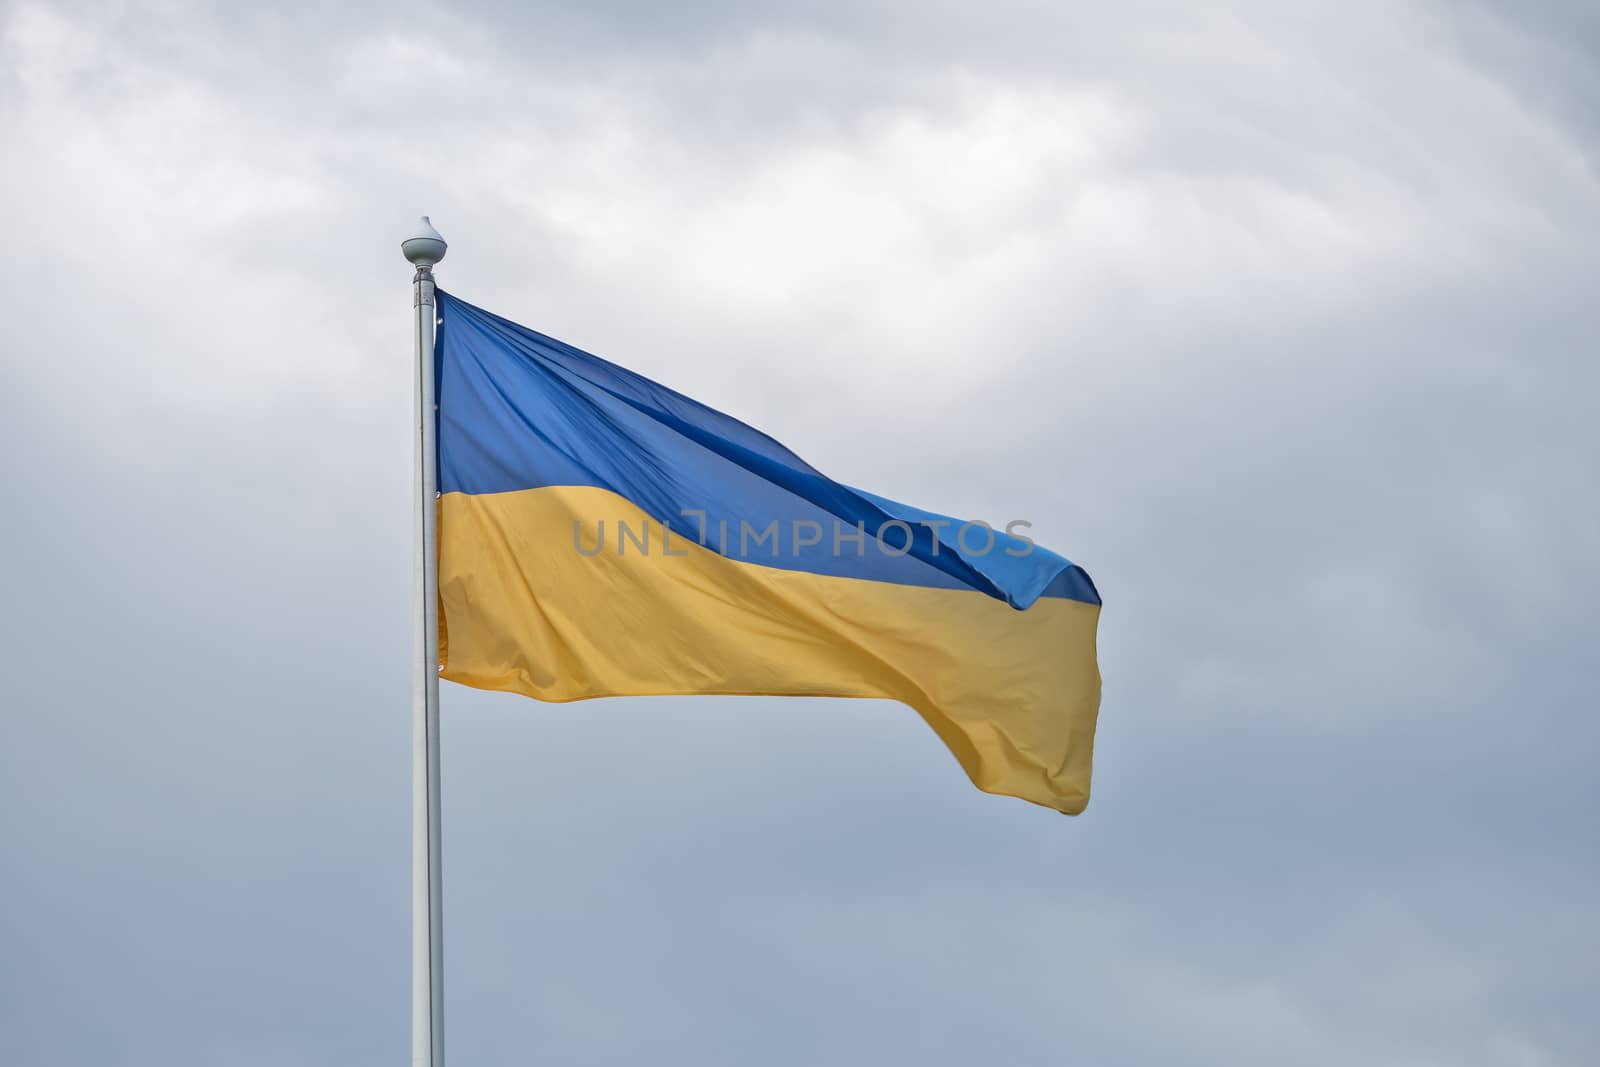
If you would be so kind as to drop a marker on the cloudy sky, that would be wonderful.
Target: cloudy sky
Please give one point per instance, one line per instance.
(1279, 318)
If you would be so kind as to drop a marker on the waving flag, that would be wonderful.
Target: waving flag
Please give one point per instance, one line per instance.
(602, 535)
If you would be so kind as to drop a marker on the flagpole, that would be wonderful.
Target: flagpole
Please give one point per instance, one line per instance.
(424, 248)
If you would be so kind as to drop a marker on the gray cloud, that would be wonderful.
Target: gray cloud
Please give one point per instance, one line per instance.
(1278, 320)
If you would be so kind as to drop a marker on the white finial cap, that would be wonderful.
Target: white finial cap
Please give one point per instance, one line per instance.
(424, 247)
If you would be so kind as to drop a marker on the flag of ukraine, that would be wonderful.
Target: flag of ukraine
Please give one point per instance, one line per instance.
(602, 535)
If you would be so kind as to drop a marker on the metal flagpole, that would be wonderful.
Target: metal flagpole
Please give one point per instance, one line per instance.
(424, 248)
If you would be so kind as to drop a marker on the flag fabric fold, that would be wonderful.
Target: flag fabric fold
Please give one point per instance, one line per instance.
(602, 535)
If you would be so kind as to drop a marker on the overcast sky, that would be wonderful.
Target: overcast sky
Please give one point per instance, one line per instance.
(1279, 318)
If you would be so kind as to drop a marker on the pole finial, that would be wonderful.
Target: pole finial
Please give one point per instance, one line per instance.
(424, 247)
